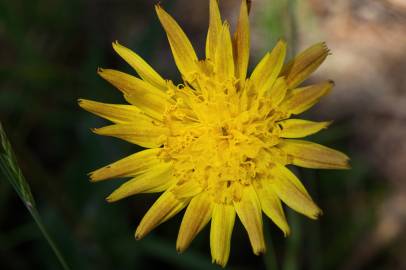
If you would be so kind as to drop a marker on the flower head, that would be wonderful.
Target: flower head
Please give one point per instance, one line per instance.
(219, 142)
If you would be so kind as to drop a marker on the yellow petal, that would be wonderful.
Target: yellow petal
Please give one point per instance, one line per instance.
(249, 211)
(129, 166)
(145, 134)
(214, 30)
(222, 224)
(186, 189)
(301, 99)
(156, 180)
(271, 205)
(146, 97)
(145, 71)
(242, 43)
(224, 63)
(163, 209)
(277, 92)
(300, 68)
(298, 128)
(291, 191)
(312, 155)
(269, 101)
(197, 215)
(182, 50)
(265, 73)
(115, 113)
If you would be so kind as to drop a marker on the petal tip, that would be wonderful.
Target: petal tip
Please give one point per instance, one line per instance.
(347, 165)
(180, 250)
(138, 234)
(260, 251)
(95, 176)
(222, 264)
(109, 199)
(326, 48)
(329, 123)
(116, 46)
(100, 71)
(158, 7)
(316, 214)
(181, 246)
(92, 179)
(282, 42)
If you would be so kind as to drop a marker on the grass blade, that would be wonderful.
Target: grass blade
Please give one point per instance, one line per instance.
(14, 175)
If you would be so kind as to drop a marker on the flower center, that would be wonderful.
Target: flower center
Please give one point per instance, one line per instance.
(218, 142)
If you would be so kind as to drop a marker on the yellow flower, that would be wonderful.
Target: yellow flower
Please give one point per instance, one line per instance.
(219, 142)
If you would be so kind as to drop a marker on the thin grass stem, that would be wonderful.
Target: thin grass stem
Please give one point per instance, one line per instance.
(12, 172)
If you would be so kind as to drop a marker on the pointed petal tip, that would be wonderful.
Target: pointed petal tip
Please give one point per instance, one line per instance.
(220, 263)
(305, 63)
(138, 236)
(329, 123)
(346, 162)
(116, 195)
(180, 249)
(158, 7)
(109, 200)
(85, 103)
(182, 245)
(99, 71)
(81, 103)
(326, 48)
(316, 214)
(282, 40)
(346, 165)
(116, 45)
(260, 251)
(92, 179)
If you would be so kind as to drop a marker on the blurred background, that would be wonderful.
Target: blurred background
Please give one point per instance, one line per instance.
(49, 53)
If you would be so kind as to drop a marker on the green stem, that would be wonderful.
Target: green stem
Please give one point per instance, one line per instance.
(35, 215)
(293, 242)
(14, 175)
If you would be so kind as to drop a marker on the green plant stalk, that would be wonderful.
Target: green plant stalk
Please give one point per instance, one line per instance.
(14, 175)
(293, 242)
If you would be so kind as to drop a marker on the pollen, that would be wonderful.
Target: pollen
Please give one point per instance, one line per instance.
(218, 142)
